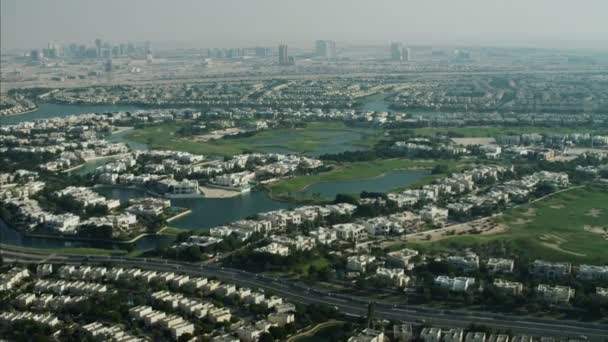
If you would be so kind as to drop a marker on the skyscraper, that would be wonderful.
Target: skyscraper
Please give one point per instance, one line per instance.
(396, 52)
(325, 48)
(407, 54)
(283, 56)
(98, 45)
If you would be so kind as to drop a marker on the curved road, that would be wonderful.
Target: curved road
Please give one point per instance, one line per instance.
(349, 305)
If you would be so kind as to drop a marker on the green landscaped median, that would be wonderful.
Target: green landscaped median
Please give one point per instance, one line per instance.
(315, 137)
(348, 171)
(74, 251)
(570, 226)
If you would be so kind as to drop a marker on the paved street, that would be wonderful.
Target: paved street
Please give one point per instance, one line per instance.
(350, 305)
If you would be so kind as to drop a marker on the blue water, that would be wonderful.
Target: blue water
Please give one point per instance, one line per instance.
(376, 103)
(10, 236)
(51, 110)
(207, 212)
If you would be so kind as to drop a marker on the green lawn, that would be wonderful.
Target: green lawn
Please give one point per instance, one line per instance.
(302, 268)
(75, 251)
(328, 331)
(172, 231)
(317, 136)
(551, 229)
(349, 171)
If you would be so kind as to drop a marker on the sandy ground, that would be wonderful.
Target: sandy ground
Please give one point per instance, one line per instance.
(594, 212)
(557, 206)
(484, 226)
(603, 231)
(218, 193)
(217, 134)
(474, 141)
(554, 242)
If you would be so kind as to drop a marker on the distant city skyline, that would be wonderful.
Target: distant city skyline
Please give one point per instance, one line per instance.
(237, 23)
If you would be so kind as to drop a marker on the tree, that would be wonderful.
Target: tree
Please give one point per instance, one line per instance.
(266, 337)
(440, 169)
(193, 253)
(371, 308)
(346, 198)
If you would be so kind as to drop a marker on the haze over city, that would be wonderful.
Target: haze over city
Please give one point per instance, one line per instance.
(261, 171)
(545, 23)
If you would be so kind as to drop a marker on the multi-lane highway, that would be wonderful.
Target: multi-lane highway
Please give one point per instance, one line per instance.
(350, 305)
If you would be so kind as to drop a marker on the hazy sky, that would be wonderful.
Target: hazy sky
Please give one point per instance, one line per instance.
(223, 23)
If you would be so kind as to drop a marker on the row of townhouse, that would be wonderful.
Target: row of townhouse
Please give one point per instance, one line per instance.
(72, 287)
(13, 278)
(21, 316)
(98, 330)
(431, 334)
(82, 272)
(47, 301)
(176, 325)
(192, 307)
(174, 279)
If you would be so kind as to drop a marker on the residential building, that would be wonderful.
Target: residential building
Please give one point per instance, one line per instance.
(555, 294)
(498, 265)
(368, 335)
(458, 284)
(549, 270)
(359, 263)
(514, 288)
(430, 334)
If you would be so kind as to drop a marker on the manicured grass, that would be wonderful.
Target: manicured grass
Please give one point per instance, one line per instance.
(316, 136)
(551, 229)
(76, 251)
(487, 131)
(328, 331)
(348, 171)
(171, 231)
(302, 268)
